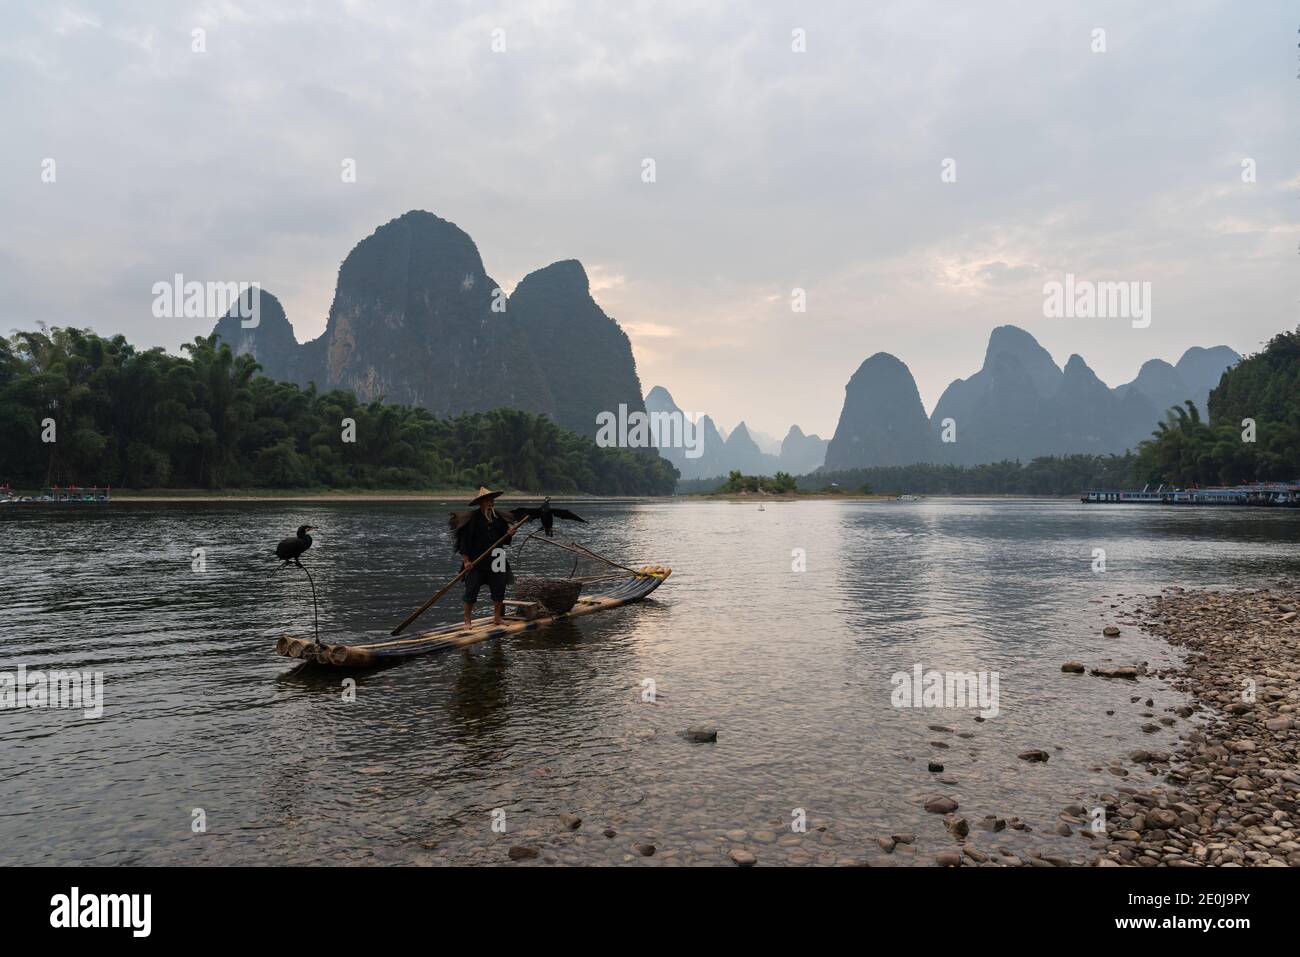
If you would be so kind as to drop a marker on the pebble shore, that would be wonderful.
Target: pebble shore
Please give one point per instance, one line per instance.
(1229, 790)
(1232, 785)
(1226, 795)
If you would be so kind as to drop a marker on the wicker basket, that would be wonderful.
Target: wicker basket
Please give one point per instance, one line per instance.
(557, 594)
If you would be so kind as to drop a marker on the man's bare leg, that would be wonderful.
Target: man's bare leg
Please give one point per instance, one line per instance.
(498, 613)
(469, 613)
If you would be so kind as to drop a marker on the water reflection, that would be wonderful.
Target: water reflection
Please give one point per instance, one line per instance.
(792, 667)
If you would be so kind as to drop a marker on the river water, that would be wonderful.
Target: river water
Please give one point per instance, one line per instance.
(211, 749)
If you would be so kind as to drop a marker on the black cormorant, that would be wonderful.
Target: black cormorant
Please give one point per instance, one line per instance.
(291, 549)
(548, 515)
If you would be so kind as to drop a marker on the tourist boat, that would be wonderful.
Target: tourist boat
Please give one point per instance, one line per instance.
(58, 495)
(1286, 494)
(523, 616)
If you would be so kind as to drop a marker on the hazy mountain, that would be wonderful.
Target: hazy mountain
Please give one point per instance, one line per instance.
(738, 450)
(271, 342)
(882, 421)
(741, 452)
(991, 412)
(1200, 366)
(584, 356)
(1086, 413)
(801, 454)
(713, 459)
(1193, 377)
(412, 321)
(417, 320)
(992, 409)
(768, 444)
(659, 401)
(1156, 379)
(1020, 405)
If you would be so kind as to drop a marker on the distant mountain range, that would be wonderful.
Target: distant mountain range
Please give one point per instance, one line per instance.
(797, 453)
(416, 320)
(1019, 405)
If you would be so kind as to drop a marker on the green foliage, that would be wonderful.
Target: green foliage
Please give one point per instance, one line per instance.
(1264, 387)
(782, 483)
(1047, 475)
(206, 419)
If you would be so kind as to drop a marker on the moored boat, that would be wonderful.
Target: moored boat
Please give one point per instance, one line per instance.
(1286, 494)
(58, 495)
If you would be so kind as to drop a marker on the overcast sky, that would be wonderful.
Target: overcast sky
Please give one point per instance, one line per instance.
(775, 169)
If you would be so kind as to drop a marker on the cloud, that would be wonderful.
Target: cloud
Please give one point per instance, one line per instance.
(650, 330)
(602, 279)
(67, 21)
(775, 170)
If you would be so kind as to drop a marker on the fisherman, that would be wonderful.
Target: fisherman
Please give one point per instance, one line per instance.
(476, 532)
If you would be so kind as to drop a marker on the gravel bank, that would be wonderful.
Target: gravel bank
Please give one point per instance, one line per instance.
(1232, 784)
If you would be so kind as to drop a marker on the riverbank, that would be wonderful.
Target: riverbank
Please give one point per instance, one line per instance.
(336, 495)
(1232, 785)
(763, 497)
(208, 496)
(1230, 789)
(270, 495)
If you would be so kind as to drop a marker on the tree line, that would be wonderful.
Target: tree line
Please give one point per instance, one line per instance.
(782, 483)
(1045, 475)
(1254, 428)
(76, 408)
(79, 408)
(1253, 435)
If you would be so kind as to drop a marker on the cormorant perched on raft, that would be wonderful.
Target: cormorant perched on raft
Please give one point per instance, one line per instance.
(290, 549)
(548, 515)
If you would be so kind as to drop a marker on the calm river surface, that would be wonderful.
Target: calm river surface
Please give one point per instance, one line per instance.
(793, 668)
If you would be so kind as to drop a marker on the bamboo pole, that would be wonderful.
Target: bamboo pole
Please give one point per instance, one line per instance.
(447, 587)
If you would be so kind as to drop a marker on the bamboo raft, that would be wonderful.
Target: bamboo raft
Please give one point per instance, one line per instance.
(523, 616)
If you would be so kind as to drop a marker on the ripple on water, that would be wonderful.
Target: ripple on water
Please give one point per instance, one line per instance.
(794, 668)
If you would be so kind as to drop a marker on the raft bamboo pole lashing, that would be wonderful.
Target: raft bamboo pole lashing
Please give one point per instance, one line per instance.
(633, 588)
(648, 571)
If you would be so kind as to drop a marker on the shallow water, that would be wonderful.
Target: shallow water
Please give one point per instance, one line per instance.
(793, 668)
